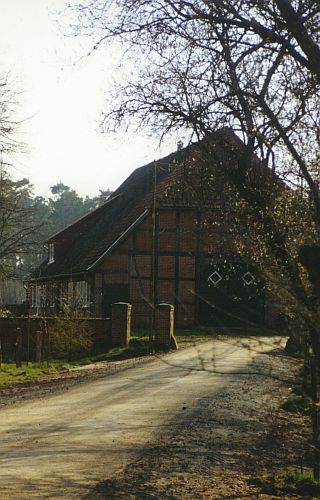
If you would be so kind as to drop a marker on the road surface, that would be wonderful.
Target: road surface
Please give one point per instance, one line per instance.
(60, 446)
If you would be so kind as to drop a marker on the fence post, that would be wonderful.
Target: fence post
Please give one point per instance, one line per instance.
(28, 339)
(38, 346)
(18, 346)
(164, 325)
(121, 323)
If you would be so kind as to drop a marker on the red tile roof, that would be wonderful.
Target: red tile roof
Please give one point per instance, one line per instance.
(88, 240)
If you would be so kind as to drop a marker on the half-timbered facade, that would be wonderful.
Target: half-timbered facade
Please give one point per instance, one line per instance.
(171, 233)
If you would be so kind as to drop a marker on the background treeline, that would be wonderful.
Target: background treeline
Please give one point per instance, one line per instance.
(27, 220)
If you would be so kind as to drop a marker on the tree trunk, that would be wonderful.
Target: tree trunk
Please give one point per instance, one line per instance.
(315, 417)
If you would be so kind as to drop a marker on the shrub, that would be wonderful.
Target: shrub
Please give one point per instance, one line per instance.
(5, 313)
(298, 404)
(71, 335)
(288, 483)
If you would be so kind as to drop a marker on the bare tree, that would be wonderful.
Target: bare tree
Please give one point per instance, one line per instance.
(250, 65)
(18, 229)
(8, 126)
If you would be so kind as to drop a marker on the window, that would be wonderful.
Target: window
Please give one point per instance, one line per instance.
(36, 297)
(78, 295)
(33, 296)
(51, 291)
(82, 293)
(70, 293)
(51, 253)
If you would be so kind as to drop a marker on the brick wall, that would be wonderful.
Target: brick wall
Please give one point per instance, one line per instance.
(11, 328)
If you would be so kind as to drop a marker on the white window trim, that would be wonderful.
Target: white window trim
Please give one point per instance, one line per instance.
(51, 253)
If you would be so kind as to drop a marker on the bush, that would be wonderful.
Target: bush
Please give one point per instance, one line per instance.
(303, 483)
(289, 483)
(298, 404)
(71, 336)
(5, 313)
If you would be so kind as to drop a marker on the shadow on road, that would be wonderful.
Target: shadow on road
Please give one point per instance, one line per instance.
(215, 445)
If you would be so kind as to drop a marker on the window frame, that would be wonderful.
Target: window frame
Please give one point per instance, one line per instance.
(51, 253)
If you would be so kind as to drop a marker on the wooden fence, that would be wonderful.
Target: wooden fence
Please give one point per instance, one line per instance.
(28, 338)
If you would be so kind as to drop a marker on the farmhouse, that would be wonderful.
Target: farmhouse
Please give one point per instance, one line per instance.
(173, 233)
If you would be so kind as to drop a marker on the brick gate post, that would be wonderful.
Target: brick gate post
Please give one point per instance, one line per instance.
(120, 323)
(164, 324)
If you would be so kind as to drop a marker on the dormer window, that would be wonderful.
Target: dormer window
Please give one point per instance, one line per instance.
(51, 253)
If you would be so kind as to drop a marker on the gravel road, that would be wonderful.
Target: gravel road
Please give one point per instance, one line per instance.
(63, 445)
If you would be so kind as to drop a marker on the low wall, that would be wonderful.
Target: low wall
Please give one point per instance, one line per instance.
(30, 335)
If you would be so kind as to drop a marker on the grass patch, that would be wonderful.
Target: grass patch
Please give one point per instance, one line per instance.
(289, 482)
(196, 334)
(182, 336)
(303, 483)
(211, 332)
(298, 403)
(11, 375)
(142, 333)
(137, 347)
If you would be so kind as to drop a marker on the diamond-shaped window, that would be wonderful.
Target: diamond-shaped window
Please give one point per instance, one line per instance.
(248, 278)
(215, 278)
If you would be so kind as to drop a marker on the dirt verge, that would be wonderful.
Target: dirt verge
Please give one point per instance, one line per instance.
(62, 380)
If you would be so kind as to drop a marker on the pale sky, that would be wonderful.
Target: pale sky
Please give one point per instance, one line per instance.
(61, 97)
